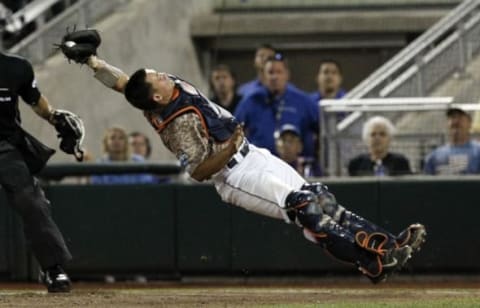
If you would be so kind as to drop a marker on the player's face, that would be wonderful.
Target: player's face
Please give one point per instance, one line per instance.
(329, 77)
(289, 146)
(276, 76)
(261, 56)
(222, 81)
(162, 86)
(379, 139)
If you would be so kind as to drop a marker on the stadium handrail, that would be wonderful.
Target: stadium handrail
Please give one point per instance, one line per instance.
(56, 171)
(405, 63)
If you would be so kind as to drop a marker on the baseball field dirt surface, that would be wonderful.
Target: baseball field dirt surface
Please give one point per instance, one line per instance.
(262, 293)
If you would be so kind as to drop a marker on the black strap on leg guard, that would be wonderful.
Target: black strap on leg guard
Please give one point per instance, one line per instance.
(331, 236)
(326, 200)
(347, 219)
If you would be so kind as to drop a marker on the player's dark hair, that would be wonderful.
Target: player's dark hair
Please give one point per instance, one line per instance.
(331, 61)
(139, 92)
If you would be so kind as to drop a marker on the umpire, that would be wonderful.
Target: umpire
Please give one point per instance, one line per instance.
(21, 156)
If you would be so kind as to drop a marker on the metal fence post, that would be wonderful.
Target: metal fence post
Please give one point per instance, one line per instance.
(420, 75)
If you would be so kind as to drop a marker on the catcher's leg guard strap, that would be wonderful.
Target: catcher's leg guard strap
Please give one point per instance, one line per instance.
(342, 245)
(326, 200)
(346, 219)
(338, 241)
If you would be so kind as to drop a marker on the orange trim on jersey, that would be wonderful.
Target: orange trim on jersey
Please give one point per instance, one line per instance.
(175, 94)
(160, 126)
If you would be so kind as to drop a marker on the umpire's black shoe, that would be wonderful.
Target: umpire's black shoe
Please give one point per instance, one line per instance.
(56, 280)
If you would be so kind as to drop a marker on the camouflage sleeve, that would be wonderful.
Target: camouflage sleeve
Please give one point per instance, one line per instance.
(189, 141)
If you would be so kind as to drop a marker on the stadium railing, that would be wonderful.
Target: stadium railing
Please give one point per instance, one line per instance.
(447, 47)
(39, 45)
(338, 146)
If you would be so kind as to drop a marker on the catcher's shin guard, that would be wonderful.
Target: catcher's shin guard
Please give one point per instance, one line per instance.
(364, 251)
(345, 218)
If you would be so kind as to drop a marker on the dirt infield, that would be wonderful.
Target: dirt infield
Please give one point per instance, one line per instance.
(263, 293)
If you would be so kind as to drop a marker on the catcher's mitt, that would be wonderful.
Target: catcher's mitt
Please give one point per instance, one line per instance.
(79, 45)
(71, 132)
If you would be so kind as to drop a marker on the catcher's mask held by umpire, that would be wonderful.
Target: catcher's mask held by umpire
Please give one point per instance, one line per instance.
(71, 132)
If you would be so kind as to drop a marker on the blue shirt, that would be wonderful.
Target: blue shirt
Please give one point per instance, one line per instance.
(263, 114)
(449, 159)
(249, 87)
(123, 178)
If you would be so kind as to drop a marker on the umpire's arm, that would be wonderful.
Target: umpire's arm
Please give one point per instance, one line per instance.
(43, 109)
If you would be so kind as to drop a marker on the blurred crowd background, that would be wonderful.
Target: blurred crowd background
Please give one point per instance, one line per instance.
(272, 63)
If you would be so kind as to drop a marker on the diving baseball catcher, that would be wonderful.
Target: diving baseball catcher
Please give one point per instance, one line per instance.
(209, 143)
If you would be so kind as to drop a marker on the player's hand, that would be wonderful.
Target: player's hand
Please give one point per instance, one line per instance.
(237, 138)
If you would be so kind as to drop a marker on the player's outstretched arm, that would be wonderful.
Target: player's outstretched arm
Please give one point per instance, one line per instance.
(109, 75)
(81, 46)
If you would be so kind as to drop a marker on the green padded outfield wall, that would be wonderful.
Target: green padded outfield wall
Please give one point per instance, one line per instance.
(170, 230)
(117, 228)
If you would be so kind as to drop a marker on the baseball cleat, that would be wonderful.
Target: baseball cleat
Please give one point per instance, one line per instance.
(392, 261)
(414, 236)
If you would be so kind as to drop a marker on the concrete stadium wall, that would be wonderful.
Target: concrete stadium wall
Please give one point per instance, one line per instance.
(142, 33)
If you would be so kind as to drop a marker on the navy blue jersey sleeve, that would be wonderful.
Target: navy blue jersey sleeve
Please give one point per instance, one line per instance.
(28, 89)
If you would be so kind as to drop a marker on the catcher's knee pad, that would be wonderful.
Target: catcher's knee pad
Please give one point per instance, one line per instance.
(326, 200)
(302, 207)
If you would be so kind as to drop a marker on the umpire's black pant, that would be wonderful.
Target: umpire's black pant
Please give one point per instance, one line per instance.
(28, 200)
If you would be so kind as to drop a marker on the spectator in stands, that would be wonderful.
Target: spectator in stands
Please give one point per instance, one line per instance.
(140, 145)
(268, 108)
(289, 146)
(379, 161)
(460, 155)
(262, 53)
(223, 84)
(329, 83)
(116, 149)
